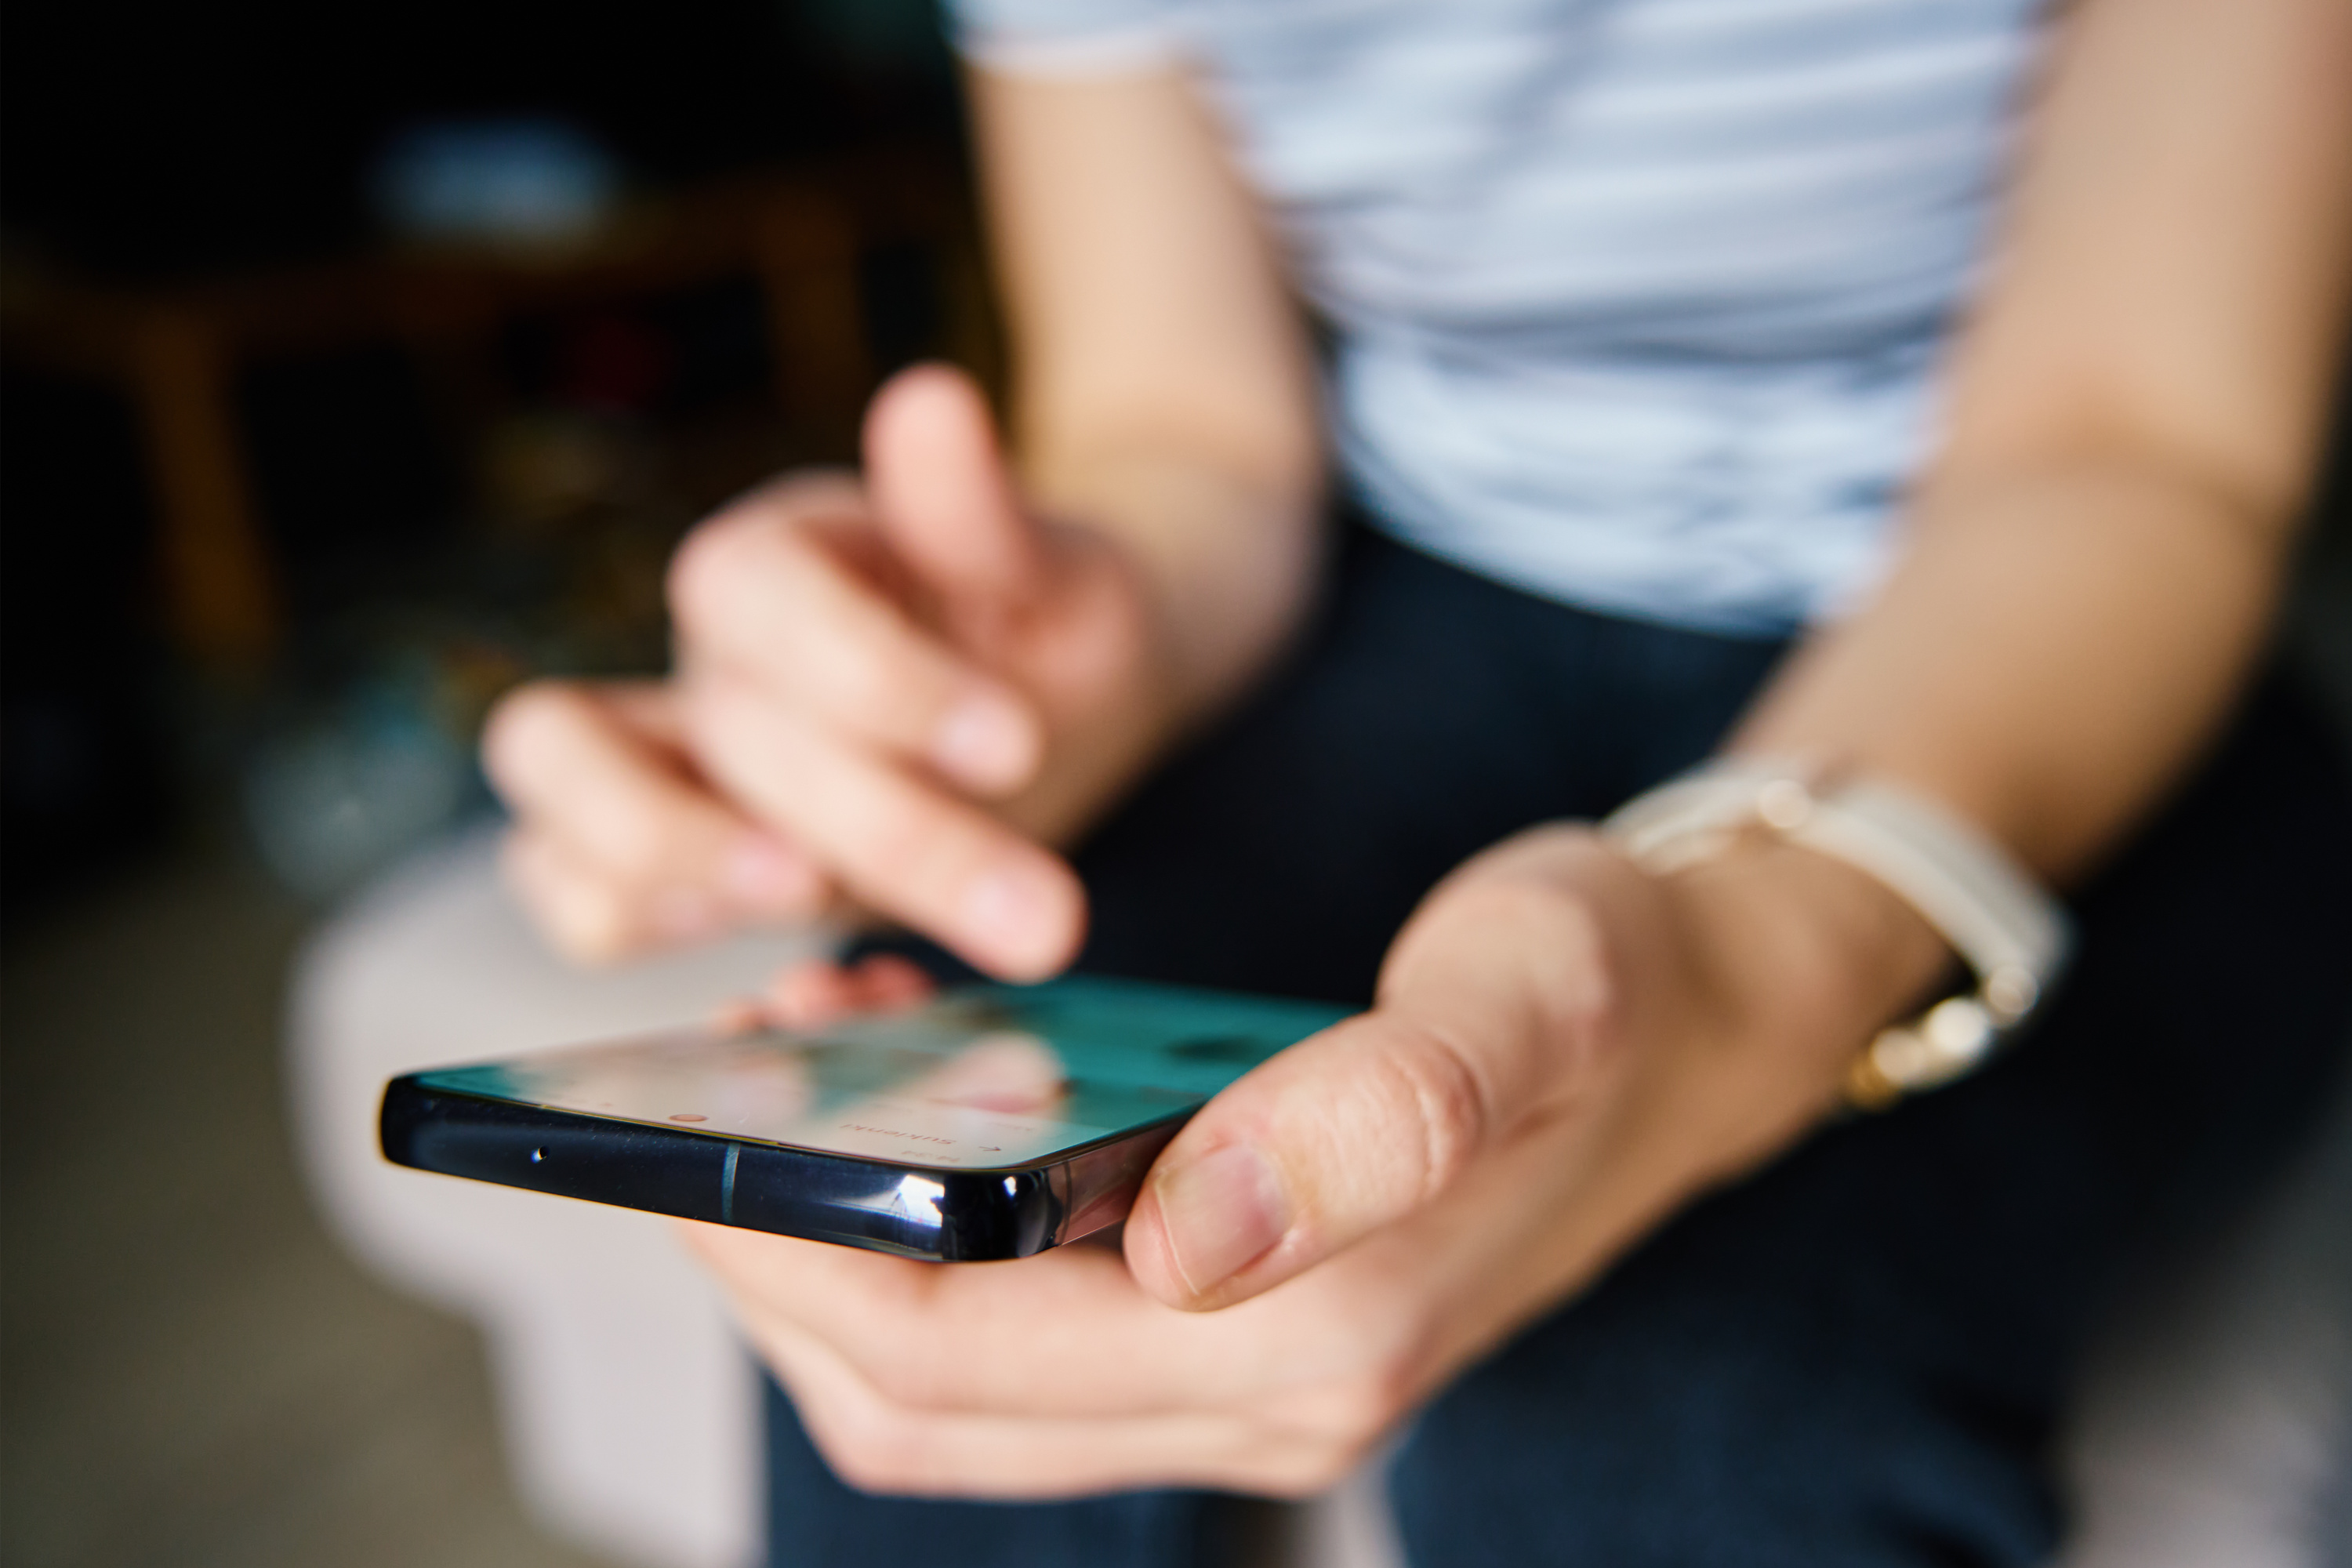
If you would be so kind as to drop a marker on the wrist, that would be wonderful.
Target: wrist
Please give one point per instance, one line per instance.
(1812, 955)
(1225, 554)
(1195, 632)
(1964, 887)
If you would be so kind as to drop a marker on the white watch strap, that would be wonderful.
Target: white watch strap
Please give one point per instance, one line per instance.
(2013, 935)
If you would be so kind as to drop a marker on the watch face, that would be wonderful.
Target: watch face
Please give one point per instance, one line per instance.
(987, 1077)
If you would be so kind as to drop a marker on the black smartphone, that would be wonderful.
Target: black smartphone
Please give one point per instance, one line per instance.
(992, 1122)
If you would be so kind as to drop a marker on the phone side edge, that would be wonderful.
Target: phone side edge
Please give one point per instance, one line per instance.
(929, 1214)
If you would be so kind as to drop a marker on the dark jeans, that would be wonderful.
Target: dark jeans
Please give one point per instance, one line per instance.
(1856, 1356)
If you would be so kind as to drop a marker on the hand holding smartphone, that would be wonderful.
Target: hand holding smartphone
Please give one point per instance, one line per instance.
(992, 1122)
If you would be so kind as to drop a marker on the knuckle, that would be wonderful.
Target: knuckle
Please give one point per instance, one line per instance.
(1353, 1416)
(849, 1448)
(1359, 1407)
(714, 560)
(909, 1382)
(886, 1336)
(1427, 1082)
(1566, 964)
(875, 1450)
(899, 1369)
(1318, 1432)
(890, 1378)
(1507, 894)
(1306, 1469)
(1325, 1467)
(1326, 1443)
(816, 624)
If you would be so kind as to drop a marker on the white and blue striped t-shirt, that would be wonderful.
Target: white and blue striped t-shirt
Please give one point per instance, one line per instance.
(1641, 303)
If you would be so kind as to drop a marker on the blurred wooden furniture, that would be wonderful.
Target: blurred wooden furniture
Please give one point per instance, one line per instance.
(176, 353)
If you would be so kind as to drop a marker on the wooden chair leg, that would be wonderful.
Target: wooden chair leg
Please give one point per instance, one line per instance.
(808, 268)
(220, 592)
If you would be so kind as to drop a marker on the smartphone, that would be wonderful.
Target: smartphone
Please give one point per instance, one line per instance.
(995, 1121)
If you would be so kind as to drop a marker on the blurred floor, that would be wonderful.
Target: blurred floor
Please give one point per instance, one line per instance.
(190, 1372)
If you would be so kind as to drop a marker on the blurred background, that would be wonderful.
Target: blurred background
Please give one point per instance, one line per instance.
(353, 365)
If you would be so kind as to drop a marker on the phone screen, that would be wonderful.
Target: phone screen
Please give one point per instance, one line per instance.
(980, 1077)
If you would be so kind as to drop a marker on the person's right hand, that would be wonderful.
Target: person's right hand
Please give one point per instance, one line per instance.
(900, 691)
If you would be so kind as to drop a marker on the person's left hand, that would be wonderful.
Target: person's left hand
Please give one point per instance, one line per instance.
(1564, 1050)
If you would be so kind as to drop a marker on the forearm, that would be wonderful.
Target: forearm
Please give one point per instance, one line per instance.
(2054, 647)
(1164, 392)
(2135, 410)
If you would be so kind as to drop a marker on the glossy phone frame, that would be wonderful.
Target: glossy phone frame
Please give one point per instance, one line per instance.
(963, 1215)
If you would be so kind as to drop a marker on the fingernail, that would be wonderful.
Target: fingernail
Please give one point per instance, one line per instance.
(1009, 911)
(1220, 1212)
(765, 875)
(983, 741)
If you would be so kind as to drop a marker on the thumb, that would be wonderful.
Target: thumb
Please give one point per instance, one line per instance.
(1335, 1137)
(942, 490)
(1495, 1007)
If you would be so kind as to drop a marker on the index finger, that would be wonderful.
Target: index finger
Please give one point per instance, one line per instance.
(905, 847)
(772, 588)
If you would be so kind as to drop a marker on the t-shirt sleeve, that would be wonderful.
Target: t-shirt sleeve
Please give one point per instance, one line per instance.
(1064, 37)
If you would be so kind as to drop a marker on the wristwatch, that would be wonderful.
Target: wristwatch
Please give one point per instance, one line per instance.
(2013, 935)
